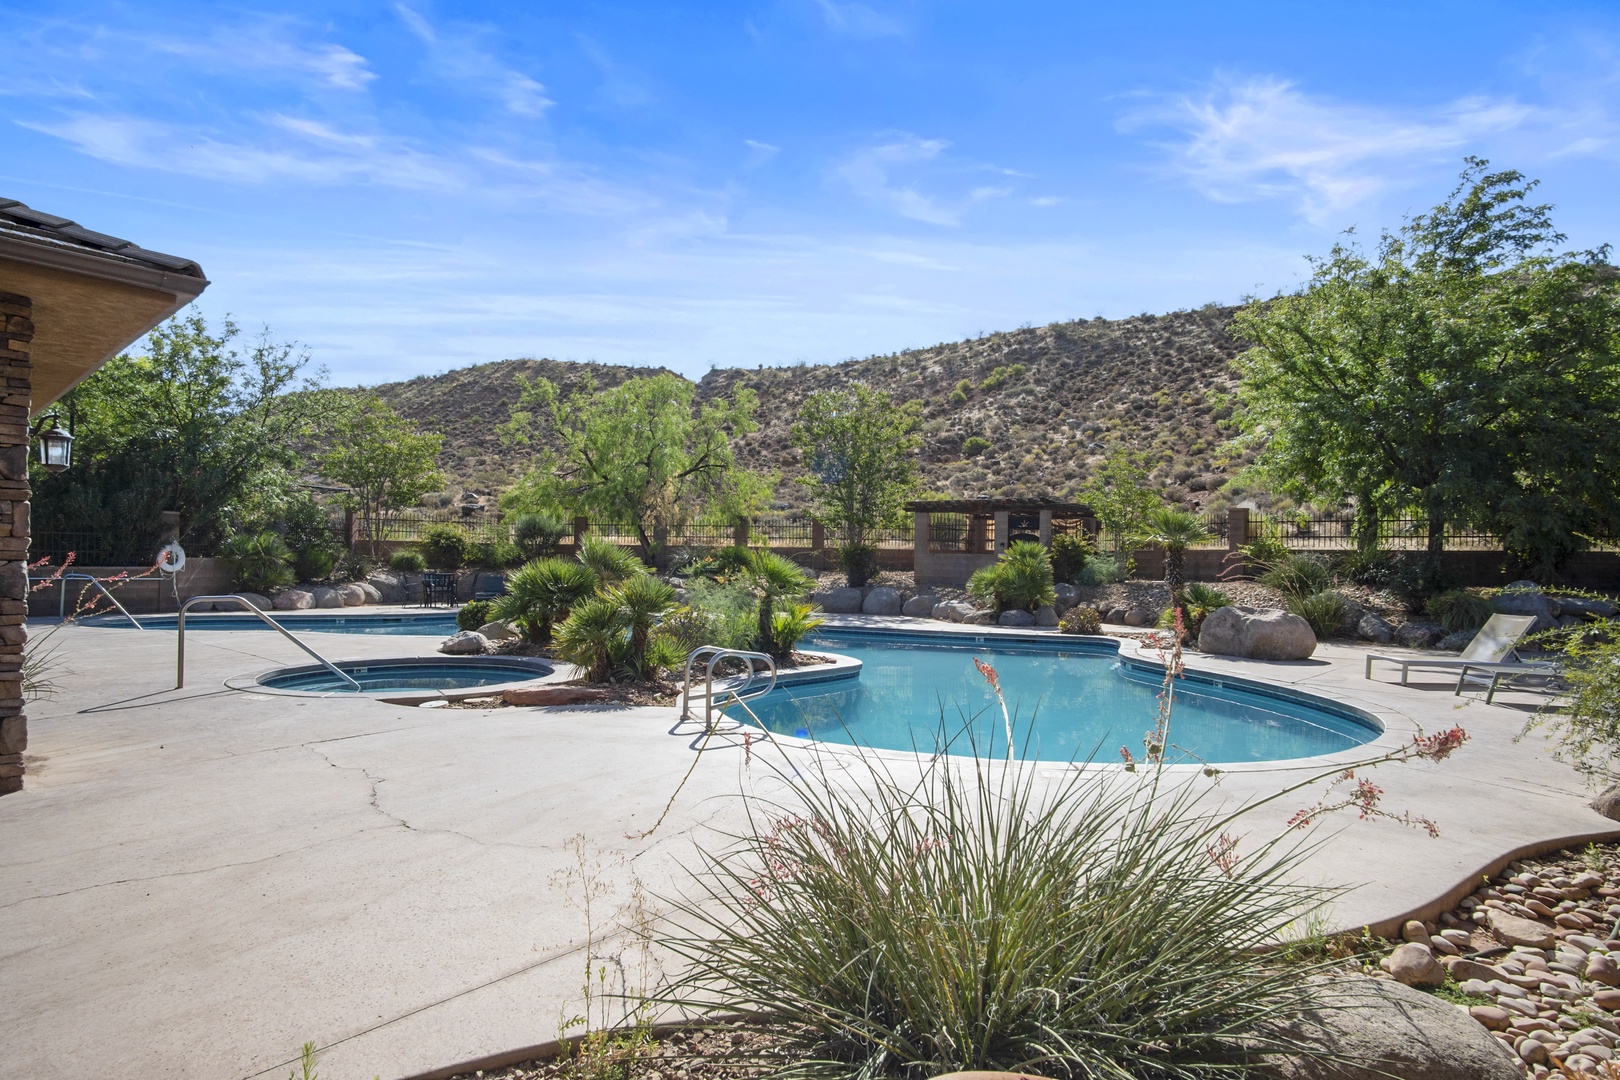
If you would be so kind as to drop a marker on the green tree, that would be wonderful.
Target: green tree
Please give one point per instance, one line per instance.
(641, 452)
(191, 425)
(385, 462)
(1175, 530)
(1461, 369)
(773, 580)
(1119, 493)
(860, 452)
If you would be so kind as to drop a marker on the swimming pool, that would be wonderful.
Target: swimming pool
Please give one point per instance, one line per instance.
(411, 673)
(428, 623)
(1069, 699)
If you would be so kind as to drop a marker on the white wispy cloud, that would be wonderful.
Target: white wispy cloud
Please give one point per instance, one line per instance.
(858, 20)
(870, 173)
(1262, 138)
(311, 151)
(269, 45)
(457, 54)
(759, 152)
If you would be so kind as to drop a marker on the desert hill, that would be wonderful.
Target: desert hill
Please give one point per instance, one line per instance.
(1020, 412)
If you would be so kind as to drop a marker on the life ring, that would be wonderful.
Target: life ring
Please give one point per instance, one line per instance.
(172, 558)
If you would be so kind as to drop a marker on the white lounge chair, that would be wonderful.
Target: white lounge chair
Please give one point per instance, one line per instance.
(1495, 642)
(1550, 671)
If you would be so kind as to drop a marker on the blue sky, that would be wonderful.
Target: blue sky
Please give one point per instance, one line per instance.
(410, 187)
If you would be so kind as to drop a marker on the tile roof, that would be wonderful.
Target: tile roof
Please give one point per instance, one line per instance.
(17, 219)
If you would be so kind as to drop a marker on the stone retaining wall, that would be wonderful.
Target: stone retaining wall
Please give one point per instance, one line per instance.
(16, 367)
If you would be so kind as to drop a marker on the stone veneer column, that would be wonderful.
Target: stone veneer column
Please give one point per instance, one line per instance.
(16, 367)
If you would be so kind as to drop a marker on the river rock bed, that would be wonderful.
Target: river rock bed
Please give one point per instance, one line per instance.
(1532, 955)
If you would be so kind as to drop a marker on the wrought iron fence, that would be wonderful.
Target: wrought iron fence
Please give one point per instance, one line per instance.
(411, 524)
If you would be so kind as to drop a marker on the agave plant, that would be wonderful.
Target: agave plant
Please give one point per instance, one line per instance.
(773, 580)
(540, 593)
(1175, 530)
(608, 561)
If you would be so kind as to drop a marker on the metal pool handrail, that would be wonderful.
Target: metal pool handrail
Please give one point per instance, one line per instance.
(180, 623)
(61, 603)
(736, 694)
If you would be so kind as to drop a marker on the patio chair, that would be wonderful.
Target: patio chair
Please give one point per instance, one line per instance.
(1496, 674)
(1495, 642)
(438, 588)
(489, 586)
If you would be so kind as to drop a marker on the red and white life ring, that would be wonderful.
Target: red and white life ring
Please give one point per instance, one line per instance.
(172, 558)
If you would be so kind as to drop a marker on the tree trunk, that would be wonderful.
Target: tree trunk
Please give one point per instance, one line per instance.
(1175, 570)
(1366, 524)
(1437, 535)
(767, 643)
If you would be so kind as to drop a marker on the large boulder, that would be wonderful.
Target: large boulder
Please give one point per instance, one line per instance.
(883, 601)
(1420, 635)
(845, 601)
(261, 602)
(327, 598)
(1526, 598)
(294, 600)
(1046, 616)
(953, 611)
(1256, 634)
(466, 643)
(1016, 618)
(352, 595)
(1598, 609)
(920, 607)
(1067, 596)
(372, 594)
(390, 587)
(497, 631)
(1377, 1029)
(1374, 627)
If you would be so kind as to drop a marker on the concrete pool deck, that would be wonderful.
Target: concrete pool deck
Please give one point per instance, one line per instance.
(199, 881)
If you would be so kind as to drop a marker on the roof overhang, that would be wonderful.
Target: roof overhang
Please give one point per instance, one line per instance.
(88, 305)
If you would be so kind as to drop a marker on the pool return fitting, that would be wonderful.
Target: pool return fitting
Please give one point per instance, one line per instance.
(180, 623)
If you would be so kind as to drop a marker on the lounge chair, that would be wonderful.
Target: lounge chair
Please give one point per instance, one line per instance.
(489, 586)
(1495, 642)
(1497, 674)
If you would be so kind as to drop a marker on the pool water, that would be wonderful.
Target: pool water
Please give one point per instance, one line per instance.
(1068, 702)
(429, 623)
(381, 676)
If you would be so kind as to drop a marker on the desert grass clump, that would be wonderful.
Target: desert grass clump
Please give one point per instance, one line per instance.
(969, 918)
(1326, 612)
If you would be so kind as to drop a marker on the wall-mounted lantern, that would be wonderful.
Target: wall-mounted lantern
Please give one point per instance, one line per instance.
(55, 444)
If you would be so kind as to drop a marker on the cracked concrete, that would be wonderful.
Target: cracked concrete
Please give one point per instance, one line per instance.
(197, 882)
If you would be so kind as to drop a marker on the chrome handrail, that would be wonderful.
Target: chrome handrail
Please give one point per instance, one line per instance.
(735, 694)
(180, 656)
(61, 601)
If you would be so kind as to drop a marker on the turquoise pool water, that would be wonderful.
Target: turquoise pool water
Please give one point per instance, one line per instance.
(429, 623)
(380, 676)
(1068, 701)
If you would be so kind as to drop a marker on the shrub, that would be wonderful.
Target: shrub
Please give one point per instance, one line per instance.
(1459, 611)
(1021, 579)
(642, 599)
(974, 920)
(1069, 553)
(1081, 620)
(354, 566)
(473, 614)
(790, 625)
(1297, 576)
(308, 534)
(773, 580)
(608, 561)
(1265, 544)
(859, 563)
(957, 397)
(1589, 723)
(718, 564)
(540, 593)
(260, 561)
(1373, 569)
(537, 534)
(495, 554)
(1104, 570)
(1325, 611)
(1414, 577)
(407, 561)
(445, 547)
(314, 564)
(1197, 600)
(687, 628)
(731, 610)
(1000, 375)
(593, 637)
(975, 445)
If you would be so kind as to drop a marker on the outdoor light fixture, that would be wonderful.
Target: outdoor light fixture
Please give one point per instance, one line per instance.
(55, 444)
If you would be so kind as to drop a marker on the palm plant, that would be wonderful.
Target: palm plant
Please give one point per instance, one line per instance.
(608, 561)
(1175, 530)
(642, 600)
(773, 580)
(261, 561)
(592, 636)
(1020, 580)
(542, 592)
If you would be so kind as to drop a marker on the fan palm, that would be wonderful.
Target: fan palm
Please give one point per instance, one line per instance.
(542, 592)
(641, 600)
(1175, 530)
(608, 561)
(591, 635)
(773, 579)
